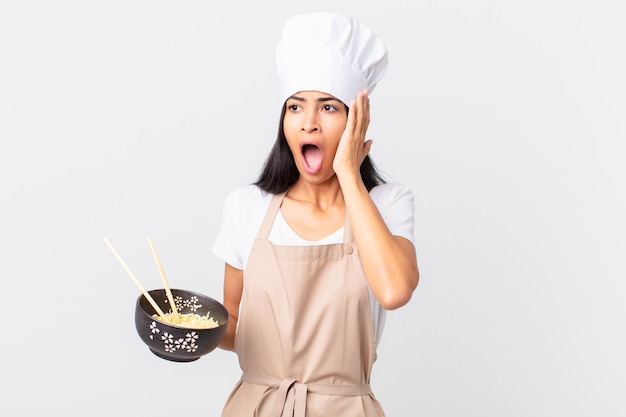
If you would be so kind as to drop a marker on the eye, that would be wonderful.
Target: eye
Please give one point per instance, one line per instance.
(293, 107)
(329, 108)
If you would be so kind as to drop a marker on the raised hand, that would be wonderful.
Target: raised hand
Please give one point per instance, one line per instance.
(353, 147)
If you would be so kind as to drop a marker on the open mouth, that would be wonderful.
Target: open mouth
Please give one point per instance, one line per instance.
(312, 156)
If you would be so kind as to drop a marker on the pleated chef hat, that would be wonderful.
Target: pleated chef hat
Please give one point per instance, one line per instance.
(330, 53)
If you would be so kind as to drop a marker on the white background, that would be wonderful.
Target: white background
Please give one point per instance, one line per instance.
(130, 119)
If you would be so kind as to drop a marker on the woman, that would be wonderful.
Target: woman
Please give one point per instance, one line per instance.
(319, 246)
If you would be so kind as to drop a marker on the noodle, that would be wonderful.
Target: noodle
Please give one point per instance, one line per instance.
(191, 320)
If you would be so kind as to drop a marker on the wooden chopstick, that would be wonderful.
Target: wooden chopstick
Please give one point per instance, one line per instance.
(141, 288)
(165, 283)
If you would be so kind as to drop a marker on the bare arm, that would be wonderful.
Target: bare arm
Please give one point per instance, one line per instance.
(389, 262)
(233, 287)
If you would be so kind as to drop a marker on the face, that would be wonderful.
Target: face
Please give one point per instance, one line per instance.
(313, 125)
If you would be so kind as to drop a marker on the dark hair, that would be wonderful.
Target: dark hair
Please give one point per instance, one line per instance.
(280, 171)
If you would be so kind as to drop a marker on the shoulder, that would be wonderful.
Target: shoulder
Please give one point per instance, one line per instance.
(389, 194)
(396, 205)
(246, 199)
(242, 214)
(244, 209)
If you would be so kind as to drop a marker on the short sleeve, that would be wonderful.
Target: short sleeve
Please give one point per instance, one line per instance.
(225, 245)
(396, 205)
(242, 213)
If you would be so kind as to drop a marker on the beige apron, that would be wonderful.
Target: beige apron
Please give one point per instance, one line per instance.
(304, 339)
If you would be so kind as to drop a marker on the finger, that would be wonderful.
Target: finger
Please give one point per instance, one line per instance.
(360, 114)
(351, 116)
(366, 148)
(367, 112)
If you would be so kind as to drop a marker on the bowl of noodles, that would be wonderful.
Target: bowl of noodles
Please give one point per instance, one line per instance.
(194, 328)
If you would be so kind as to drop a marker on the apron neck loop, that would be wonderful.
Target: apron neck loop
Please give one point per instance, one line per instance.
(272, 210)
(270, 215)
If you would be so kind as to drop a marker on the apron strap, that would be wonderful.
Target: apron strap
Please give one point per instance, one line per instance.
(272, 210)
(270, 216)
(348, 237)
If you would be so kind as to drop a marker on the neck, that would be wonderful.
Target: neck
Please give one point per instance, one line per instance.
(324, 195)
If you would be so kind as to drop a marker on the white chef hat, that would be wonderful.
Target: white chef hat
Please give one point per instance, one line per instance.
(330, 53)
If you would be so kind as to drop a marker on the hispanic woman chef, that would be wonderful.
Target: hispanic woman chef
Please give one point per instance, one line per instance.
(321, 245)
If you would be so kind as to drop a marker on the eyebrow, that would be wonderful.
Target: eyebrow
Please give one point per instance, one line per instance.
(321, 99)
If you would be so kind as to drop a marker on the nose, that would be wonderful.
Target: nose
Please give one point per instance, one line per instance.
(310, 123)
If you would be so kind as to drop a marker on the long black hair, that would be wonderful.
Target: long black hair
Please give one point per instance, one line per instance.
(280, 171)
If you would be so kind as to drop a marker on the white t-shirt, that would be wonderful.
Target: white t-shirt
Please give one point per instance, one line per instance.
(245, 207)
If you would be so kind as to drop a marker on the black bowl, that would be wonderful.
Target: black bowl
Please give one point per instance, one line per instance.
(176, 343)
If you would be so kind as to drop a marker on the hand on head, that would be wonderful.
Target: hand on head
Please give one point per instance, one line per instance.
(353, 148)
